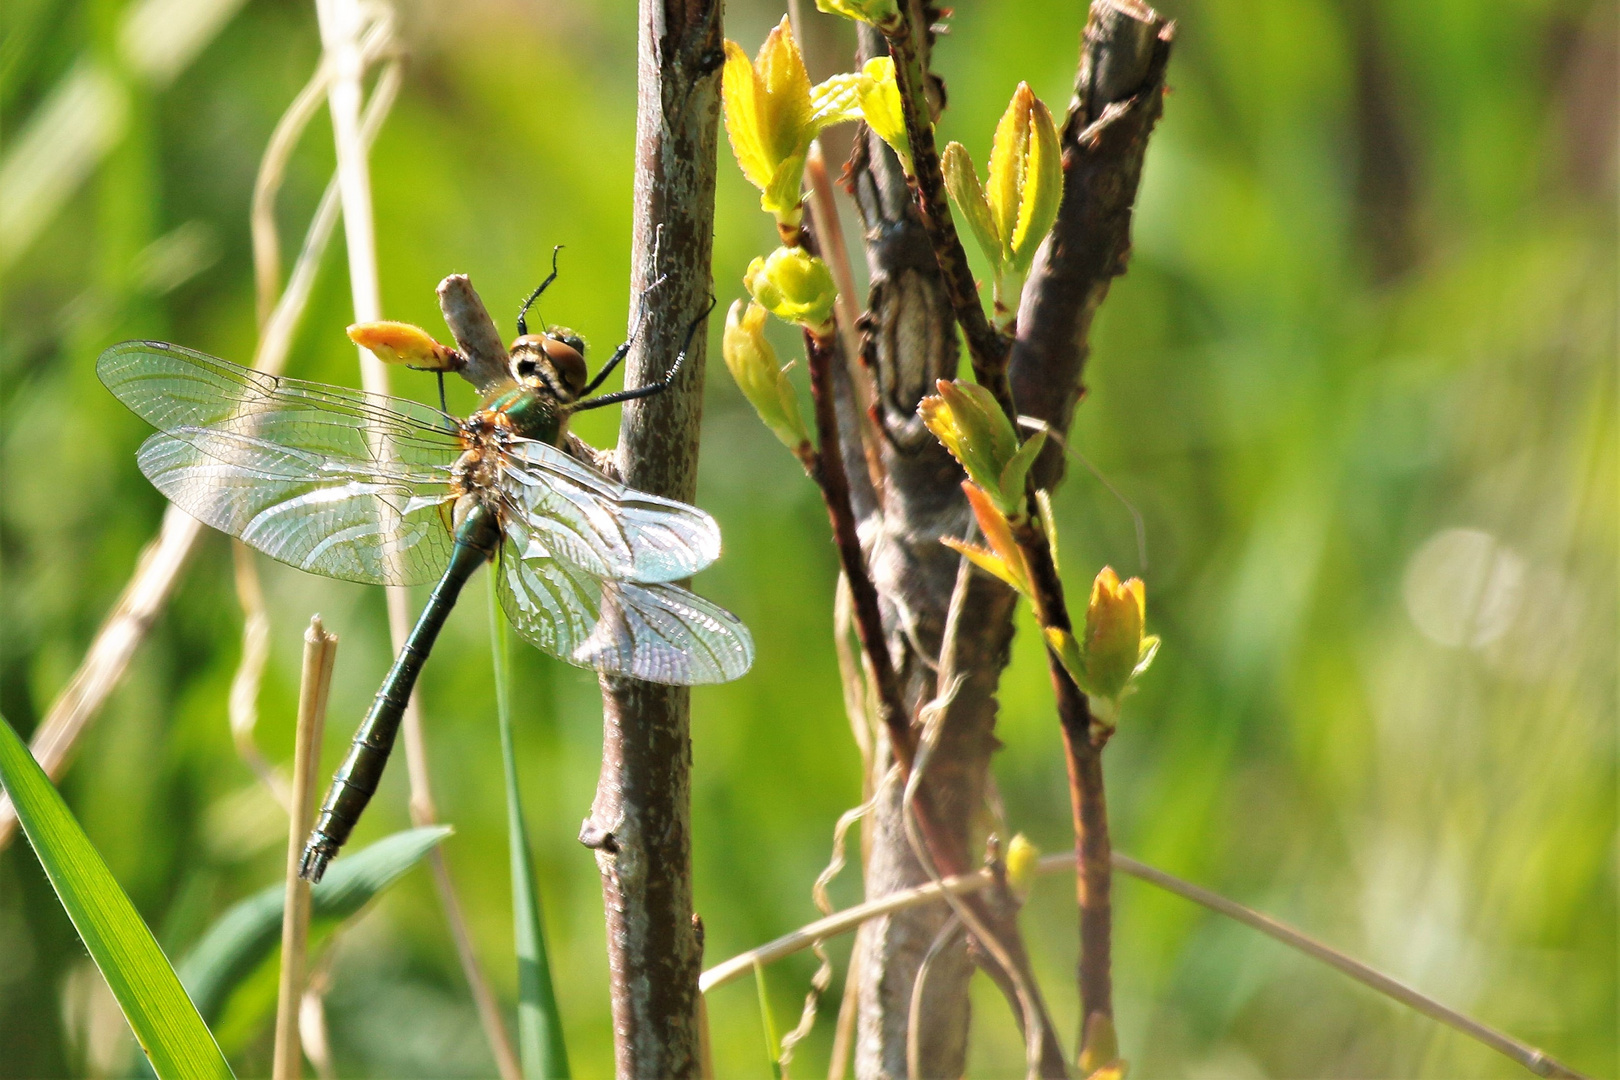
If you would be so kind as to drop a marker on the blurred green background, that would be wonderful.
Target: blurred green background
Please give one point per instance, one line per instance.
(1359, 381)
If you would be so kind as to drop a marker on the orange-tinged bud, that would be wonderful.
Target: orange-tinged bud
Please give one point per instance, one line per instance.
(403, 343)
(1115, 648)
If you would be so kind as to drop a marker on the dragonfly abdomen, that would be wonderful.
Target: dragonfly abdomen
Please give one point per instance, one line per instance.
(357, 778)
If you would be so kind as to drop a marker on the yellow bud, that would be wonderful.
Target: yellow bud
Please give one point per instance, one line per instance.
(877, 12)
(1099, 1053)
(402, 343)
(1022, 859)
(752, 363)
(879, 98)
(768, 118)
(795, 286)
(1115, 648)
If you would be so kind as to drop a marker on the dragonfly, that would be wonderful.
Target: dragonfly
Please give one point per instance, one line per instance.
(388, 491)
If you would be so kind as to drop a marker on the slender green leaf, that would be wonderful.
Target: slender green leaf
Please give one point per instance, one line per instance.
(773, 1044)
(540, 1034)
(244, 937)
(165, 1022)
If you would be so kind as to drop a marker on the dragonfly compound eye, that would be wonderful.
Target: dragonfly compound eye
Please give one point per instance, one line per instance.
(566, 351)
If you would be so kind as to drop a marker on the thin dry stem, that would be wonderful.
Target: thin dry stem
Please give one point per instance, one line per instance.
(243, 707)
(961, 885)
(160, 564)
(344, 26)
(914, 1025)
(320, 653)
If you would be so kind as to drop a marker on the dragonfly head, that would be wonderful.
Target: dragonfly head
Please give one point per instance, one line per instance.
(553, 361)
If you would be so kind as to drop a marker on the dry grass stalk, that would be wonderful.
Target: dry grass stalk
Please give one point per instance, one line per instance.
(320, 653)
(345, 26)
(162, 561)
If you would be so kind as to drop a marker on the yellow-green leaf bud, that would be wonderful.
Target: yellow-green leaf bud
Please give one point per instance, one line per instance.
(1026, 178)
(752, 362)
(965, 417)
(795, 286)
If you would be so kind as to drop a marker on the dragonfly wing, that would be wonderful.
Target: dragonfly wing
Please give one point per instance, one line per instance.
(656, 631)
(570, 511)
(343, 520)
(172, 387)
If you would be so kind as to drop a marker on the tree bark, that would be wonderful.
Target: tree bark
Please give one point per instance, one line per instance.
(910, 340)
(640, 821)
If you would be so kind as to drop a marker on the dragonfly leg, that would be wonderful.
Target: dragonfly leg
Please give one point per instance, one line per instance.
(651, 388)
(635, 332)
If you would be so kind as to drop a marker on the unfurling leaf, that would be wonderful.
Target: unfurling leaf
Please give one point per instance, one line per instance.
(988, 561)
(1015, 208)
(877, 12)
(966, 418)
(753, 364)
(998, 534)
(836, 101)
(795, 286)
(962, 184)
(403, 343)
(1026, 178)
(768, 118)
(879, 97)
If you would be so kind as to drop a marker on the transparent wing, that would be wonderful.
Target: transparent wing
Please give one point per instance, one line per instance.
(562, 508)
(325, 516)
(172, 387)
(658, 632)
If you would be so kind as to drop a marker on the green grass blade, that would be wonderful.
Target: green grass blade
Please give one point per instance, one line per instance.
(773, 1044)
(540, 1034)
(242, 939)
(165, 1022)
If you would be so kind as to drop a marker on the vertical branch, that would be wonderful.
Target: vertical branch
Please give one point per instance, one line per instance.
(640, 820)
(320, 653)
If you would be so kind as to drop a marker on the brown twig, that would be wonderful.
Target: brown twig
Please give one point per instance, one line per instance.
(640, 820)
(320, 653)
(827, 470)
(987, 346)
(1118, 98)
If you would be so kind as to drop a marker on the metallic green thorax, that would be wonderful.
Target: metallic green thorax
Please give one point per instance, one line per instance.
(533, 414)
